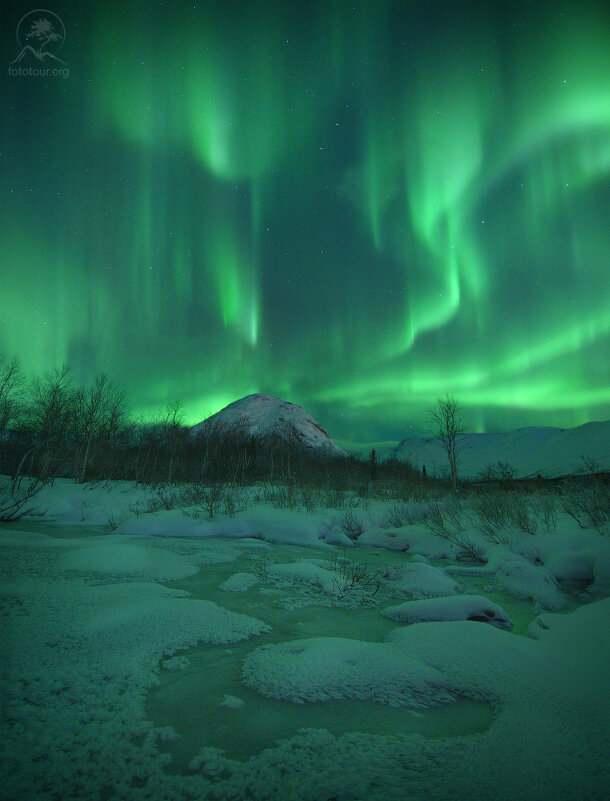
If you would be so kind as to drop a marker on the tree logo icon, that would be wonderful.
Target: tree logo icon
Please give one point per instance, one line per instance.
(40, 33)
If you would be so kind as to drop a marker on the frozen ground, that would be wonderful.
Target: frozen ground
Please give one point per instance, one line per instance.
(269, 656)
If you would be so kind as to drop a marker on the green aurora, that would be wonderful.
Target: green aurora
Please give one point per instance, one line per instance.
(355, 206)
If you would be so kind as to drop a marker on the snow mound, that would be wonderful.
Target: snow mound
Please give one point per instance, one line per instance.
(408, 538)
(601, 573)
(77, 661)
(261, 522)
(456, 607)
(239, 582)
(333, 668)
(572, 567)
(232, 702)
(391, 540)
(550, 696)
(120, 557)
(420, 580)
(176, 663)
(522, 579)
(305, 572)
(266, 417)
(93, 505)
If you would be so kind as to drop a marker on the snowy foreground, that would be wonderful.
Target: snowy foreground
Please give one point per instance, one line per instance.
(158, 656)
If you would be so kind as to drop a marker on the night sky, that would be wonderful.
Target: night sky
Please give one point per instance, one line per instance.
(354, 206)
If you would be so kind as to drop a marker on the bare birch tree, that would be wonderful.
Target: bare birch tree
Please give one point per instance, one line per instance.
(98, 413)
(448, 426)
(11, 385)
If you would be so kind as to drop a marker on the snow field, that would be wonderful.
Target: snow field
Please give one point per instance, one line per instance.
(87, 626)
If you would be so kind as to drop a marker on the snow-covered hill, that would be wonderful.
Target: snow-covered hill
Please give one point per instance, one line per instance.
(547, 451)
(268, 417)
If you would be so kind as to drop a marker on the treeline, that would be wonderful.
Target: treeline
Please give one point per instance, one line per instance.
(51, 427)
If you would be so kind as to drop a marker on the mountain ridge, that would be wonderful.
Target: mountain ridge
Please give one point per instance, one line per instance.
(268, 417)
(533, 450)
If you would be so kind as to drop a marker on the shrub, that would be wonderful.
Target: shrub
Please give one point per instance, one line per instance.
(348, 523)
(234, 500)
(498, 471)
(352, 576)
(282, 496)
(435, 521)
(309, 498)
(548, 512)
(114, 520)
(468, 548)
(261, 566)
(403, 514)
(206, 499)
(168, 500)
(15, 499)
(588, 506)
(492, 516)
(334, 499)
(522, 513)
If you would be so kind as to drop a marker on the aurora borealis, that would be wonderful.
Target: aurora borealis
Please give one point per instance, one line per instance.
(354, 206)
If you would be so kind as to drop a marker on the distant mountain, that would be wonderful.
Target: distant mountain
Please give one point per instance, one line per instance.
(266, 417)
(547, 451)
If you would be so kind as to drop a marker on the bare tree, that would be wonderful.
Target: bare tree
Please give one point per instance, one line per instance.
(51, 404)
(446, 417)
(171, 430)
(98, 413)
(15, 497)
(11, 384)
